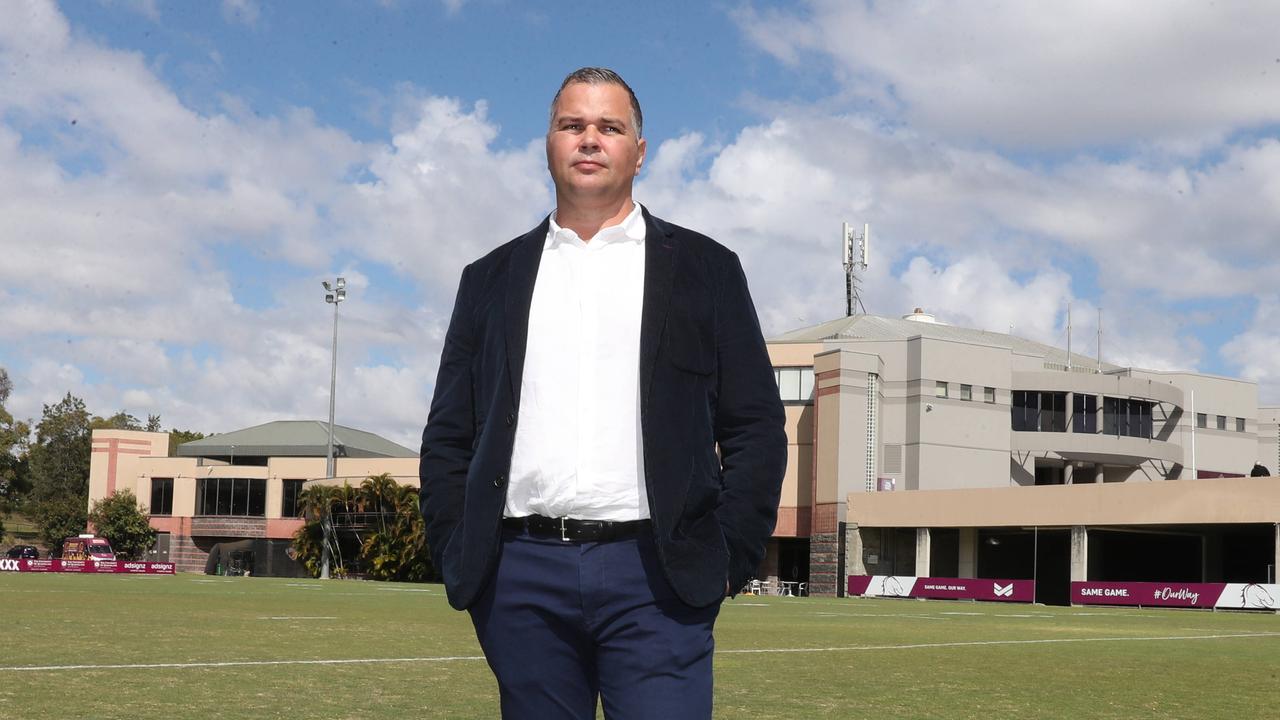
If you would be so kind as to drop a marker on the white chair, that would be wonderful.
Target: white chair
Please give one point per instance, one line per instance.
(802, 590)
(755, 587)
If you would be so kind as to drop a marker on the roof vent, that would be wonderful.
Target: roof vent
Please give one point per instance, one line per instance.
(919, 315)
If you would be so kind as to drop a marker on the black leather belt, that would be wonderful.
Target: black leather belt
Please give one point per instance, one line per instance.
(570, 530)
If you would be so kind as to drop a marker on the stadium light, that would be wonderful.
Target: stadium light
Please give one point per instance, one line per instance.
(334, 294)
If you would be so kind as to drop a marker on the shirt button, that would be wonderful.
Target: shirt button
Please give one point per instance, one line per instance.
(511, 419)
(499, 481)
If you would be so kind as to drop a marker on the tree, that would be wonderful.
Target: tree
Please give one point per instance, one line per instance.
(378, 523)
(177, 437)
(14, 481)
(59, 466)
(58, 519)
(120, 520)
(153, 423)
(120, 421)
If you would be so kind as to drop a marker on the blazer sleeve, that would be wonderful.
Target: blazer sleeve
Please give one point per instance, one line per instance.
(448, 441)
(749, 428)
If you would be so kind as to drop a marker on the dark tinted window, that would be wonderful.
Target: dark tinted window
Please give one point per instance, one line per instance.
(161, 496)
(231, 496)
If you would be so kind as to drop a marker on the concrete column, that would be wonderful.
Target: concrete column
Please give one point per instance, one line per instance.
(1275, 566)
(1068, 472)
(853, 552)
(923, 549)
(1079, 553)
(968, 552)
(1098, 473)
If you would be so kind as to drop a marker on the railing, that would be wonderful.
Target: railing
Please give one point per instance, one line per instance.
(1062, 367)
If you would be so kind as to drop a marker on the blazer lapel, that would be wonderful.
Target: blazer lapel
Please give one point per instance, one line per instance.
(522, 273)
(660, 250)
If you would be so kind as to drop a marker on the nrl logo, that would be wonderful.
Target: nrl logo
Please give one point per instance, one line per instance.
(1003, 590)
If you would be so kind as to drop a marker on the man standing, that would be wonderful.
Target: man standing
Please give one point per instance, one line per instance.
(574, 497)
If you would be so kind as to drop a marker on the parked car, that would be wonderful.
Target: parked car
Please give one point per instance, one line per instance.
(24, 552)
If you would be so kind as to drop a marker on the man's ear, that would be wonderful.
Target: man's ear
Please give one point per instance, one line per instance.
(644, 146)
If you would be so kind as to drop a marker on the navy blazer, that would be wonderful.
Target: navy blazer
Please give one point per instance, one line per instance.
(705, 382)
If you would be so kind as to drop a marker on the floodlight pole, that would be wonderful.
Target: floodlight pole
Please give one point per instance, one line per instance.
(334, 294)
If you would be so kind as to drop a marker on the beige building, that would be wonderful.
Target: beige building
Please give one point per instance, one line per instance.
(916, 448)
(920, 448)
(235, 486)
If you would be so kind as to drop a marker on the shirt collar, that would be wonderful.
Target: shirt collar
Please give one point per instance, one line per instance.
(632, 228)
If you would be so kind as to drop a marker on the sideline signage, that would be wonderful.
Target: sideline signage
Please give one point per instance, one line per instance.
(85, 566)
(1246, 596)
(907, 586)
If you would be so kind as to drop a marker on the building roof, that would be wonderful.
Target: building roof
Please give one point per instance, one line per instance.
(294, 438)
(876, 327)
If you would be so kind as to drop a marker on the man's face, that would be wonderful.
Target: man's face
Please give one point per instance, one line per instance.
(593, 152)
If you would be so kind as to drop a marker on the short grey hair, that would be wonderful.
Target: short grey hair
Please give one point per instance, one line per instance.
(601, 76)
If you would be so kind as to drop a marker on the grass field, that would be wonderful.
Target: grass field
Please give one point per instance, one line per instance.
(139, 647)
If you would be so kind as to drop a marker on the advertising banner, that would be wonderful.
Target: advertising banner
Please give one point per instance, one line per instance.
(1000, 590)
(1247, 596)
(85, 566)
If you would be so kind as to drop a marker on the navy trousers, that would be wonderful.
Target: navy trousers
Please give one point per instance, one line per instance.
(564, 623)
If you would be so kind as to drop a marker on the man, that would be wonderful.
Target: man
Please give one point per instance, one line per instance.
(574, 499)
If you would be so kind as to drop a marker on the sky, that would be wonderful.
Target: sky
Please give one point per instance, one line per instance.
(176, 180)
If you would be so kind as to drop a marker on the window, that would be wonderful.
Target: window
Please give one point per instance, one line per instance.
(795, 384)
(1034, 411)
(989, 394)
(289, 505)
(1222, 422)
(1024, 413)
(1239, 424)
(1202, 420)
(940, 390)
(966, 392)
(161, 496)
(1124, 417)
(245, 497)
(1084, 414)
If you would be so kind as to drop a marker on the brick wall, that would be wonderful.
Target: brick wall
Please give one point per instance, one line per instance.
(228, 527)
(824, 560)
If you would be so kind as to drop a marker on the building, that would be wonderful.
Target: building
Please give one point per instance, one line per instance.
(916, 448)
(237, 485)
(920, 448)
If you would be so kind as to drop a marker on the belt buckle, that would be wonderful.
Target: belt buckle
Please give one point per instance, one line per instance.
(564, 530)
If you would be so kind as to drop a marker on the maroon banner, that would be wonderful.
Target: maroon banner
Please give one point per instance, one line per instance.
(1186, 595)
(86, 566)
(988, 589)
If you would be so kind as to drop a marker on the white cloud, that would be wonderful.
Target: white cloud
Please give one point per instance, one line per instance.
(1256, 351)
(1053, 75)
(117, 285)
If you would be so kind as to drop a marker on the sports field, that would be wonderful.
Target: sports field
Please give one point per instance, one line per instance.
(138, 647)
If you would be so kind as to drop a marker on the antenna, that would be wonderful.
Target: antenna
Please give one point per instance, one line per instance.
(855, 248)
(1099, 339)
(1068, 336)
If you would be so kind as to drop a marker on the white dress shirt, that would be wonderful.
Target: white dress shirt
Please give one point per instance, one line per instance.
(578, 451)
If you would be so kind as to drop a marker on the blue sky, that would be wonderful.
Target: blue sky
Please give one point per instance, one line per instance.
(176, 179)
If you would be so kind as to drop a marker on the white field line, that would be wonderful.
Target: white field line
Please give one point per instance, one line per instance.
(298, 617)
(979, 643)
(877, 615)
(740, 651)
